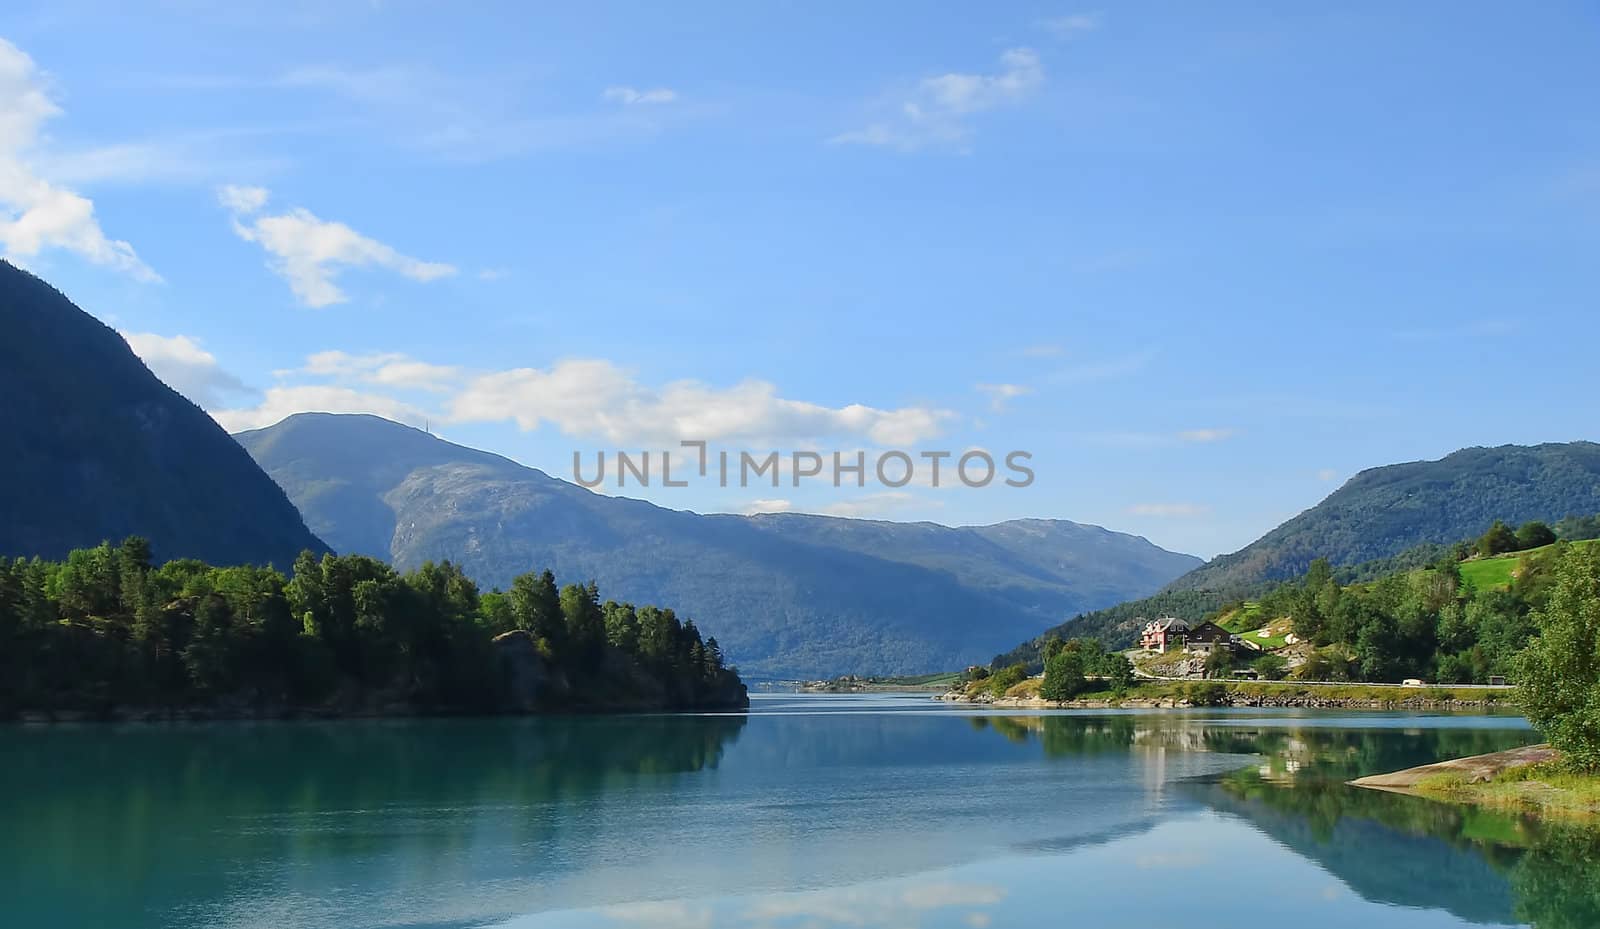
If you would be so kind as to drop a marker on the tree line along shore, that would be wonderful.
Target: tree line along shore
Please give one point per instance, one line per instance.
(106, 633)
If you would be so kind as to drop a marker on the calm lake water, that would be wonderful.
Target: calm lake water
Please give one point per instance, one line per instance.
(810, 811)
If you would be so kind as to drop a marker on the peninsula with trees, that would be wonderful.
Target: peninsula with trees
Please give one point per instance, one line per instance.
(108, 634)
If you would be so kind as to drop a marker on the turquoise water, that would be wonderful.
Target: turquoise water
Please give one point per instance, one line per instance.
(810, 811)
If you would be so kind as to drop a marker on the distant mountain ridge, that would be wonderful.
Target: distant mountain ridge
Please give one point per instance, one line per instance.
(785, 594)
(95, 448)
(1384, 511)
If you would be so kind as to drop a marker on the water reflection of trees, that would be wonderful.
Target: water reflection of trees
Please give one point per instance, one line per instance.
(1557, 883)
(89, 810)
(1481, 865)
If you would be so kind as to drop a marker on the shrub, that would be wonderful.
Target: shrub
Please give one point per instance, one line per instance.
(1003, 681)
(1559, 671)
(1205, 693)
(1534, 534)
(1498, 540)
(1271, 667)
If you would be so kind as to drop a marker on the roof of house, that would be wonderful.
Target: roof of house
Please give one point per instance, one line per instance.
(1166, 624)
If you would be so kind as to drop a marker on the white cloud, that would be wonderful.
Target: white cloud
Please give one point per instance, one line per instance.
(595, 398)
(937, 111)
(1071, 25)
(186, 367)
(1327, 474)
(767, 506)
(36, 215)
(280, 402)
(1019, 76)
(1169, 510)
(239, 199)
(871, 506)
(588, 398)
(869, 905)
(663, 914)
(1205, 435)
(628, 96)
(389, 369)
(309, 252)
(998, 394)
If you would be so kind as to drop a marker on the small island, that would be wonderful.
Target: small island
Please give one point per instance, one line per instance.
(857, 684)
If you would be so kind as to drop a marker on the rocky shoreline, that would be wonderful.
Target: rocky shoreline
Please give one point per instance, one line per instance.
(1228, 699)
(1474, 769)
(1524, 781)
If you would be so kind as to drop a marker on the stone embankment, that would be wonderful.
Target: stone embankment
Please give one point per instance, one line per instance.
(1239, 698)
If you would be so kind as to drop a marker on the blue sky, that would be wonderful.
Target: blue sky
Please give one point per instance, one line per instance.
(1203, 261)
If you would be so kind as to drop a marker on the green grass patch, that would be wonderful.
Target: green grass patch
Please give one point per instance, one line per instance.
(1243, 619)
(1496, 572)
(1547, 789)
(1027, 690)
(1248, 624)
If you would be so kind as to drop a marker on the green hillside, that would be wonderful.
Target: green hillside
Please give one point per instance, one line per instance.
(1459, 619)
(1384, 511)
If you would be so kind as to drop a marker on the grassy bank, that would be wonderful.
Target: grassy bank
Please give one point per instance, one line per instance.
(1546, 789)
(1531, 779)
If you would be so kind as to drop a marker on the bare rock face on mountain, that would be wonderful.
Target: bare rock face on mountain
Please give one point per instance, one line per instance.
(95, 447)
(785, 595)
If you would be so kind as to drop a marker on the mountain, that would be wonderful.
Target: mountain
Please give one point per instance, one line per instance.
(785, 594)
(1384, 511)
(1384, 521)
(96, 448)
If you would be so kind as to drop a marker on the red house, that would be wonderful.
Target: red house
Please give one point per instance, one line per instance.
(1164, 633)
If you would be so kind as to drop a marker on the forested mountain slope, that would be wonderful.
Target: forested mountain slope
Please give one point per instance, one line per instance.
(1383, 511)
(95, 447)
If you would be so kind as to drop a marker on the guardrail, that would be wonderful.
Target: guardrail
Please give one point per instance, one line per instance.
(1239, 680)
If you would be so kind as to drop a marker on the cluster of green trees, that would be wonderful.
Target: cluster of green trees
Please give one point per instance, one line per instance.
(1071, 668)
(1501, 539)
(1559, 672)
(107, 627)
(1223, 662)
(1542, 631)
(1425, 623)
(1077, 666)
(1119, 624)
